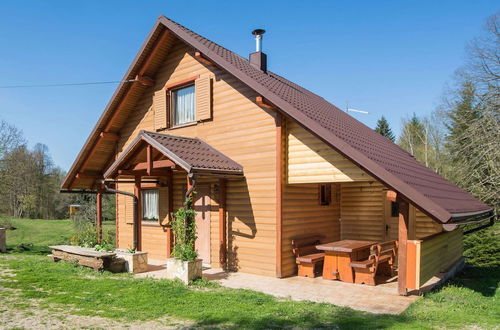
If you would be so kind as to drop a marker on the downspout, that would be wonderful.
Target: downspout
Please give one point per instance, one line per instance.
(136, 227)
(193, 186)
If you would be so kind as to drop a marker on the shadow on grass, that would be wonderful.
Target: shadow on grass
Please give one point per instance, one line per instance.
(483, 280)
(29, 248)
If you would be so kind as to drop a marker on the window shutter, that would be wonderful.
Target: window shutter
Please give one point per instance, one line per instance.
(163, 205)
(160, 109)
(203, 94)
(127, 202)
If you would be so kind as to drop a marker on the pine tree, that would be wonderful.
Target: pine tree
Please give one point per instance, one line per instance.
(384, 129)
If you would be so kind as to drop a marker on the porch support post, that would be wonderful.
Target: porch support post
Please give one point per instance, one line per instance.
(99, 216)
(170, 189)
(138, 215)
(279, 189)
(402, 248)
(222, 224)
(149, 159)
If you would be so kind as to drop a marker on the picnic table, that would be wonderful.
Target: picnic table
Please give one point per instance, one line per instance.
(338, 256)
(98, 260)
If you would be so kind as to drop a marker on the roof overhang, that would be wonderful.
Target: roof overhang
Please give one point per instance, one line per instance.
(181, 160)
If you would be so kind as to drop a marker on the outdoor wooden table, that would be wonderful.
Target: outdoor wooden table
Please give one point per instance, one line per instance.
(338, 256)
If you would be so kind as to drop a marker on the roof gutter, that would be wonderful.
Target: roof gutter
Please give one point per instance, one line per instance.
(469, 218)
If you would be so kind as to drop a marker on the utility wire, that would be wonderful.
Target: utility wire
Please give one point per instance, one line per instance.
(69, 84)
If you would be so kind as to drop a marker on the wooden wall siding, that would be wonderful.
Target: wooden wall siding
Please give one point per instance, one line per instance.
(243, 131)
(302, 216)
(439, 253)
(425, 226)
(310, 160)
(362, 211)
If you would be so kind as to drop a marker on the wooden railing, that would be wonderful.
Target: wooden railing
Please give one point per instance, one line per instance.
(432, 255)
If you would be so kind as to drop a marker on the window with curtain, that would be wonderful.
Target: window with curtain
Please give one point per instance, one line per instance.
(150, 206)
(183, 105)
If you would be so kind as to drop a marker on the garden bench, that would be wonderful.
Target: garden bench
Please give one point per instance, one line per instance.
(308, 258)
(382, 260)
(97, 260)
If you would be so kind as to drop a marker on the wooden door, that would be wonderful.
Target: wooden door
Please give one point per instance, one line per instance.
(202, 208)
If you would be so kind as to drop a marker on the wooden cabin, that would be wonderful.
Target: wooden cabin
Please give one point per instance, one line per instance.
(269, 160)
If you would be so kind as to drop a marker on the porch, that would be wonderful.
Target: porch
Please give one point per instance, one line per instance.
(380, 299)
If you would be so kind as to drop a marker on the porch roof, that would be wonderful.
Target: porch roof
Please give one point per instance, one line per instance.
(191, 154)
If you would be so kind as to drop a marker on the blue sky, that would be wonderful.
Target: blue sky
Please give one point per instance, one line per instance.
(386, 57)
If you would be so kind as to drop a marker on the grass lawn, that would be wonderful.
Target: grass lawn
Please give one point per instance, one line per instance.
(35, 235)
(469, 301)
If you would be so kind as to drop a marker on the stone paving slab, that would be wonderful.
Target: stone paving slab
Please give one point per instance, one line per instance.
(380, 299)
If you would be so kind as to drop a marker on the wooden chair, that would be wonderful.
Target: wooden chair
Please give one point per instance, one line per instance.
(308, 258)
(382, 260)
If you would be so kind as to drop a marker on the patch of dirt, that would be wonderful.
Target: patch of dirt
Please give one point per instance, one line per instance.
(32, 317)
(20, 313)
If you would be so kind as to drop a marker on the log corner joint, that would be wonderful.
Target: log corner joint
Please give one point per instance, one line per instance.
(199, 56)
(145, 80)
(262, 102)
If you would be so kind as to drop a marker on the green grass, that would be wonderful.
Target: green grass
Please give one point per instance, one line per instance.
(470, 300)
(35, 235)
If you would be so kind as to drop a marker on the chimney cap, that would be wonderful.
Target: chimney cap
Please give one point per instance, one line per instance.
(258, 32)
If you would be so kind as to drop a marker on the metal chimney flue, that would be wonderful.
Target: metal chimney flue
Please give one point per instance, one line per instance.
(258, 59)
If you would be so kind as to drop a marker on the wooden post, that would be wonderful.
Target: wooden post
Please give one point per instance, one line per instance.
(138, 216)
(279, 189)
(402, 247)
(222, 223)
(170, 189)
(149, 159)
(99, 217)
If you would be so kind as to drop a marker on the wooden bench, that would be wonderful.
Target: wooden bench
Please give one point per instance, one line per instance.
(307, 257)
(88, 257)
(382, 260)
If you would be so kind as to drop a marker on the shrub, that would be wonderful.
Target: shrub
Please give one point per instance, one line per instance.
(482, 248)
(87, 237)
(184, 228)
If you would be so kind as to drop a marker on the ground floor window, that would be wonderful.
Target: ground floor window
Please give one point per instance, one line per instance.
(150, 206)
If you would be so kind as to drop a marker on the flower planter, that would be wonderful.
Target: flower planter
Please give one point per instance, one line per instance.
(136, 262)
(186, 271)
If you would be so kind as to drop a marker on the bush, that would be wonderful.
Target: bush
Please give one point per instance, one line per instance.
(184, 228)
(482, 248)
(87, 237)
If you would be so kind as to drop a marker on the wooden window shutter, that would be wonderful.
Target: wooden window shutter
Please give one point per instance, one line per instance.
(203, 94)
(160, 107)
(163, 205)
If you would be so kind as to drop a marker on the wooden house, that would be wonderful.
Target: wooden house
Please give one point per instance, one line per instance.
(269, 161)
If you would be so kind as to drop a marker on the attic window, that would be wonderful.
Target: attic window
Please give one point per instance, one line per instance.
(183, 105)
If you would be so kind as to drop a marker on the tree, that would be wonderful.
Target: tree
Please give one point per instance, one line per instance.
(384, 129)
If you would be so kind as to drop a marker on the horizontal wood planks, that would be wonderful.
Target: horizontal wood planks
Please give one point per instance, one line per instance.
(310, 160)
(303, 216)
(425, 226)
(362, 211)
(439, 253)
(241, 130)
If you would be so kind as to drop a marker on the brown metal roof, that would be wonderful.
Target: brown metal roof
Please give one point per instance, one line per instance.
(377, 155)
(191, 154)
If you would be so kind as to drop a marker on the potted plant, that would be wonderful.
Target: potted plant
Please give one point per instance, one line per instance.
(184, 265)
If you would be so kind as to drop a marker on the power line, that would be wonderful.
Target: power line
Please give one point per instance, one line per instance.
(69, 84)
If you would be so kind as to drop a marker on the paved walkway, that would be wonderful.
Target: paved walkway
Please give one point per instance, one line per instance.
(375, 299)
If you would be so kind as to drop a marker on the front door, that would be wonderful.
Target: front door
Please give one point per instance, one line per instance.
(202, 208)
